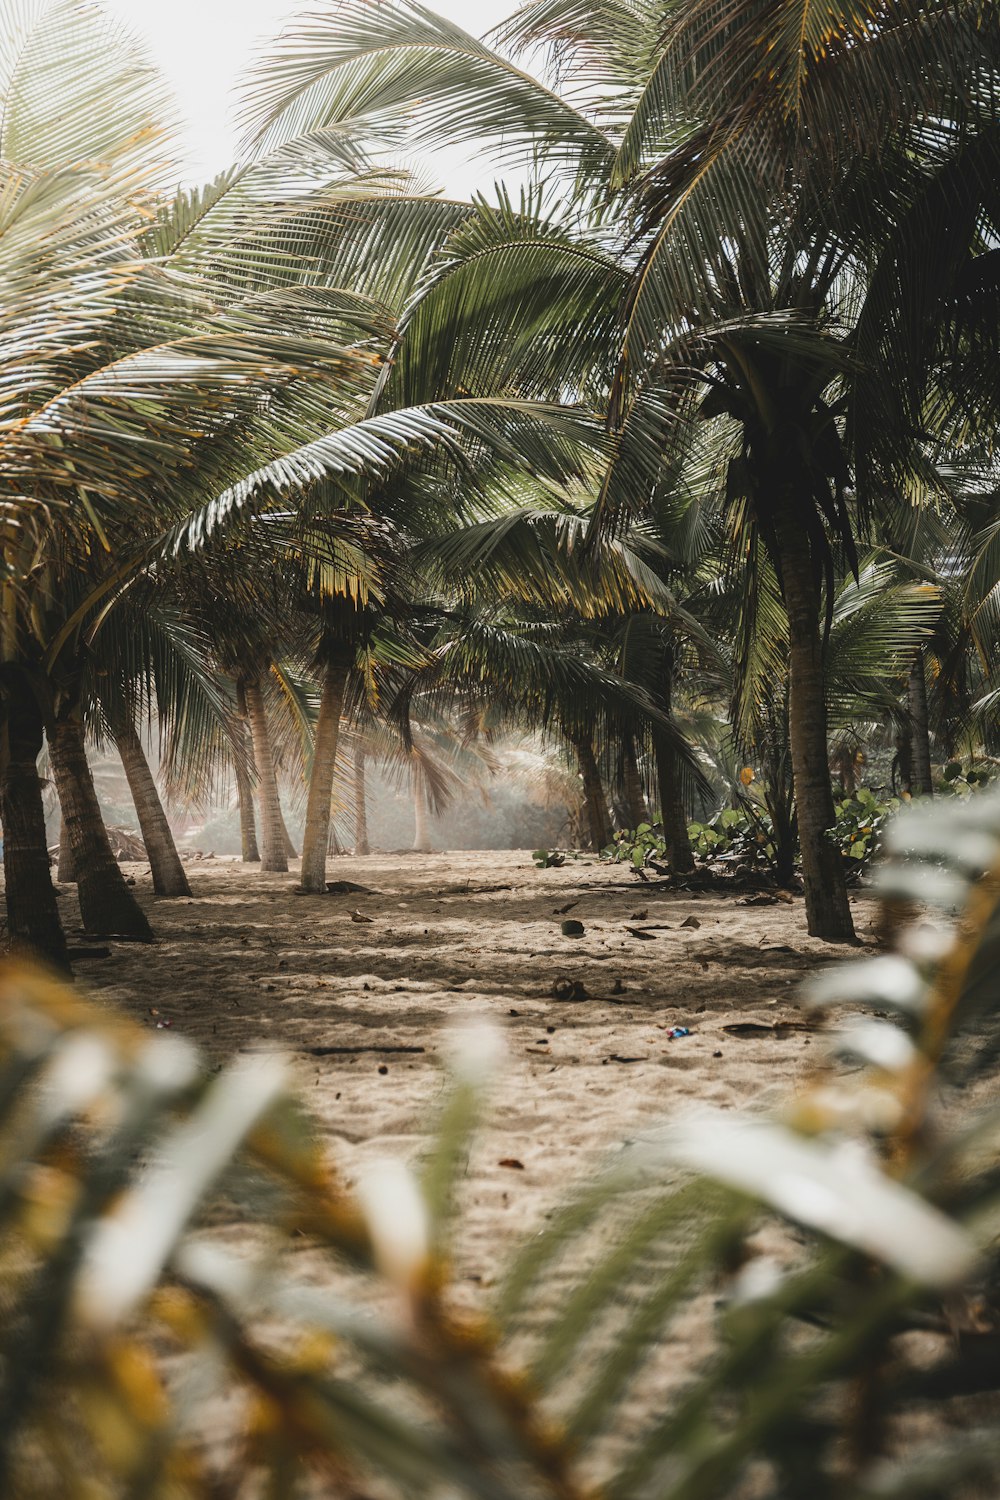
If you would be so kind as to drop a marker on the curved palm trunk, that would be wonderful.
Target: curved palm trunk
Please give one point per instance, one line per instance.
(421, 824)
(594, 800)
(920, 739)
(828, 913)
(66, 869)
(673, 814)
(244, 798)
(272, 825)
(33, 923)
(635, 797)
(169, 876)
(317, 830)
(361, 844)
(107, 905)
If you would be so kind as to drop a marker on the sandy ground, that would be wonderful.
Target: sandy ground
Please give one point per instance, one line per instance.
(248, 963)
(359, 989)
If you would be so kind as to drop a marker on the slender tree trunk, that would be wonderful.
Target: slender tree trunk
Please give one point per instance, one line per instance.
(920, 738)
(244, 800)
(902, 763)
(107, 905)
(673, 814)
(828, 912)
(169, 876)
(272, 825)
(635, 797)
(779, 799)
(33, 923)
(594, 800)
(66, 870)
(421, 823)
(317, 829)
(361, 845)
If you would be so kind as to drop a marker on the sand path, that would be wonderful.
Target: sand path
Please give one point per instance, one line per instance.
(362, 1005)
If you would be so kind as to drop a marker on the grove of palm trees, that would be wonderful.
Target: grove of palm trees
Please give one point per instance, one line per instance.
(636, 520)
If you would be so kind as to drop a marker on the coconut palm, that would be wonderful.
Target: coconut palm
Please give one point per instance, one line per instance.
(762, 174)
(177, 368)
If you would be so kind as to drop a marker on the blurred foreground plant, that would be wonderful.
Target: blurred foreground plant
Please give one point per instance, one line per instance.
(143, 1354)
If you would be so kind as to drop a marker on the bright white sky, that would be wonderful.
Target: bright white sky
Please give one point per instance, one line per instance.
(202, 45)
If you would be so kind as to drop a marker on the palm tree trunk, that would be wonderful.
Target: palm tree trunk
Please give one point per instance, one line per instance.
(66, 870)
(169, 876)
(920, 739)
(244, 800)
(107, 905)
(272, 825)
(33, 923)
(317, 830)
(635, 797)
(421, 826)
(361, 845)
(673, 814)
(594, 800)
(828, 912)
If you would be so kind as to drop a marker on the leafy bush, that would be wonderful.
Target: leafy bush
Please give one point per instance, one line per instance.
(962, 781)
(744, 834)
(741, 835)
(144, 1356)
(861, 823)
(640, 846)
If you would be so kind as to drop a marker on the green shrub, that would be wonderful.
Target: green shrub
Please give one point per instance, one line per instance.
(741, 835)
(861, 822)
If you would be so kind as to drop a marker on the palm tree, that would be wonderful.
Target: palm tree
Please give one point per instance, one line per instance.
(167, 365)
(136, 385)
(762, 176)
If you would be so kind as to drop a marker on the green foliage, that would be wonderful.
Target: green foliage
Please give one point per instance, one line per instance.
(744, 835)
(638, 847)
(184, 1363)
(861, 822)
(741, 835)
(961, 781)
(551, 859)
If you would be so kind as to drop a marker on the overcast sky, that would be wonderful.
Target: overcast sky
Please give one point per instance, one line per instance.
(203, 44)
